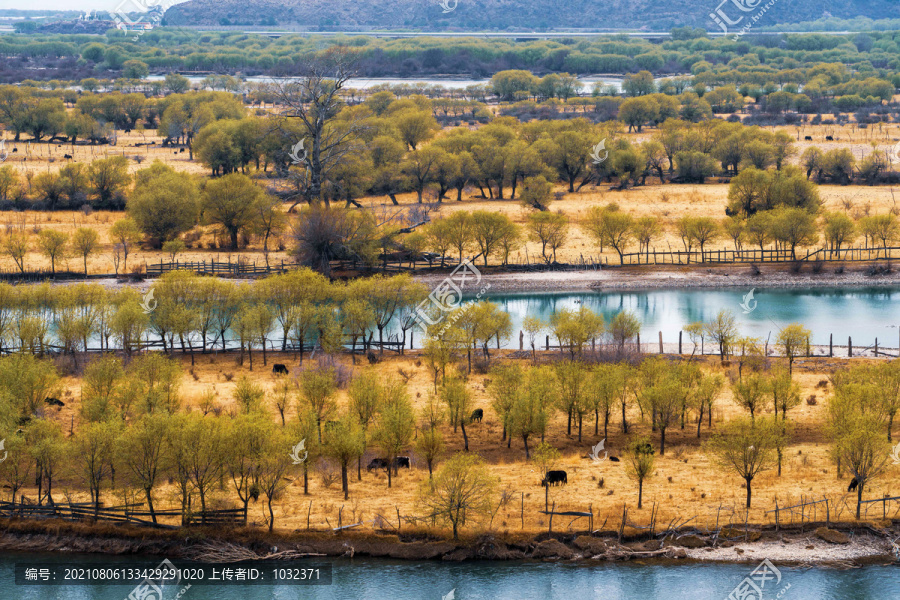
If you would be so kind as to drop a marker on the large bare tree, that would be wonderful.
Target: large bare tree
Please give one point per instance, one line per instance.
(315, 100)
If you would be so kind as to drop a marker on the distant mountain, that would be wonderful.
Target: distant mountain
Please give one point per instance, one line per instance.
(481, 15)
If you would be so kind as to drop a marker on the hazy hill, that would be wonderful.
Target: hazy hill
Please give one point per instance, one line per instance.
(507, 14)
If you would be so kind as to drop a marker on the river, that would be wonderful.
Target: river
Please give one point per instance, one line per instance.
(865, 313)
(587, 83)
(376, 579)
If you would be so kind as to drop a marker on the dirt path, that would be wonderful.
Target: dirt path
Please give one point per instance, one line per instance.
(633, 278)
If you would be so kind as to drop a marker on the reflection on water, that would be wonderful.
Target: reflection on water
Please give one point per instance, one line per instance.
(373, 579)
(863, 313)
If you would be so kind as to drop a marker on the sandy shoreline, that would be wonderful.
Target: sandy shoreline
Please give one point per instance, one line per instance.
(631, 278)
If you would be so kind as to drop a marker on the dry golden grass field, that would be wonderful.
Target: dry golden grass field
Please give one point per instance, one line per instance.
(666, 202)
(686, 484)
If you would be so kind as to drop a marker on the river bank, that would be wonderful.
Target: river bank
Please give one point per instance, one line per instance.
(644, 278)
(846, 546)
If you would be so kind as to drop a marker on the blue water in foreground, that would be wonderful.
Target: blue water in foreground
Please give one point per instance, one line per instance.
(372, 579)
(865, 313)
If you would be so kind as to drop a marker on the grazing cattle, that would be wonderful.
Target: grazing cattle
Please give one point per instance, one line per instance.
(15, 149)
(176, 152)
(54, 402)
(280, 369)
(127, 131)
(377, 463)
(477, 415)
(401, 462)
(808, 138)
(181, 151)
(614, 458)
(69, 156)
(829, 138)
(372, 358)
(853, 485)
(555, 478)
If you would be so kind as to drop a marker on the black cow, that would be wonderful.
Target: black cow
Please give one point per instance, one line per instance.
(280, 369)
(401, 462)
(54, 402)
(853, 484)
(377, 463)
(477, 415)
(829, 138)
(614, 458)
(68, 156)
(808, 138)
(555, 478)
(15, 149)
(181, 151)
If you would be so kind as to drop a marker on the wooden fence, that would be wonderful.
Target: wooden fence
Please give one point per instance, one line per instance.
(128, 514)
(215, 267)
(714, 257)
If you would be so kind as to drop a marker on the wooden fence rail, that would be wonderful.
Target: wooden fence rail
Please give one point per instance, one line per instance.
(723, 256)
(124, 515)
(214, 267)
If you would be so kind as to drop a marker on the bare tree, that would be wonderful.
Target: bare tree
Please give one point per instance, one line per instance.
(315, 99)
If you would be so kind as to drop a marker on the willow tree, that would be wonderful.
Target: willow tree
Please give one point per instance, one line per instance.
(746, 448)
(461, 491)
(314, 100)
(345, 443)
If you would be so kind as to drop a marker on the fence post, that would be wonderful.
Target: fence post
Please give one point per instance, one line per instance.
(849, 346)
(776, 514)
(521, 340)
(639, 342)
(876, 347)
(552, 510)
(827, 513)
(548, 342)
(679, 341)
(830, 345)
(660, 343)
